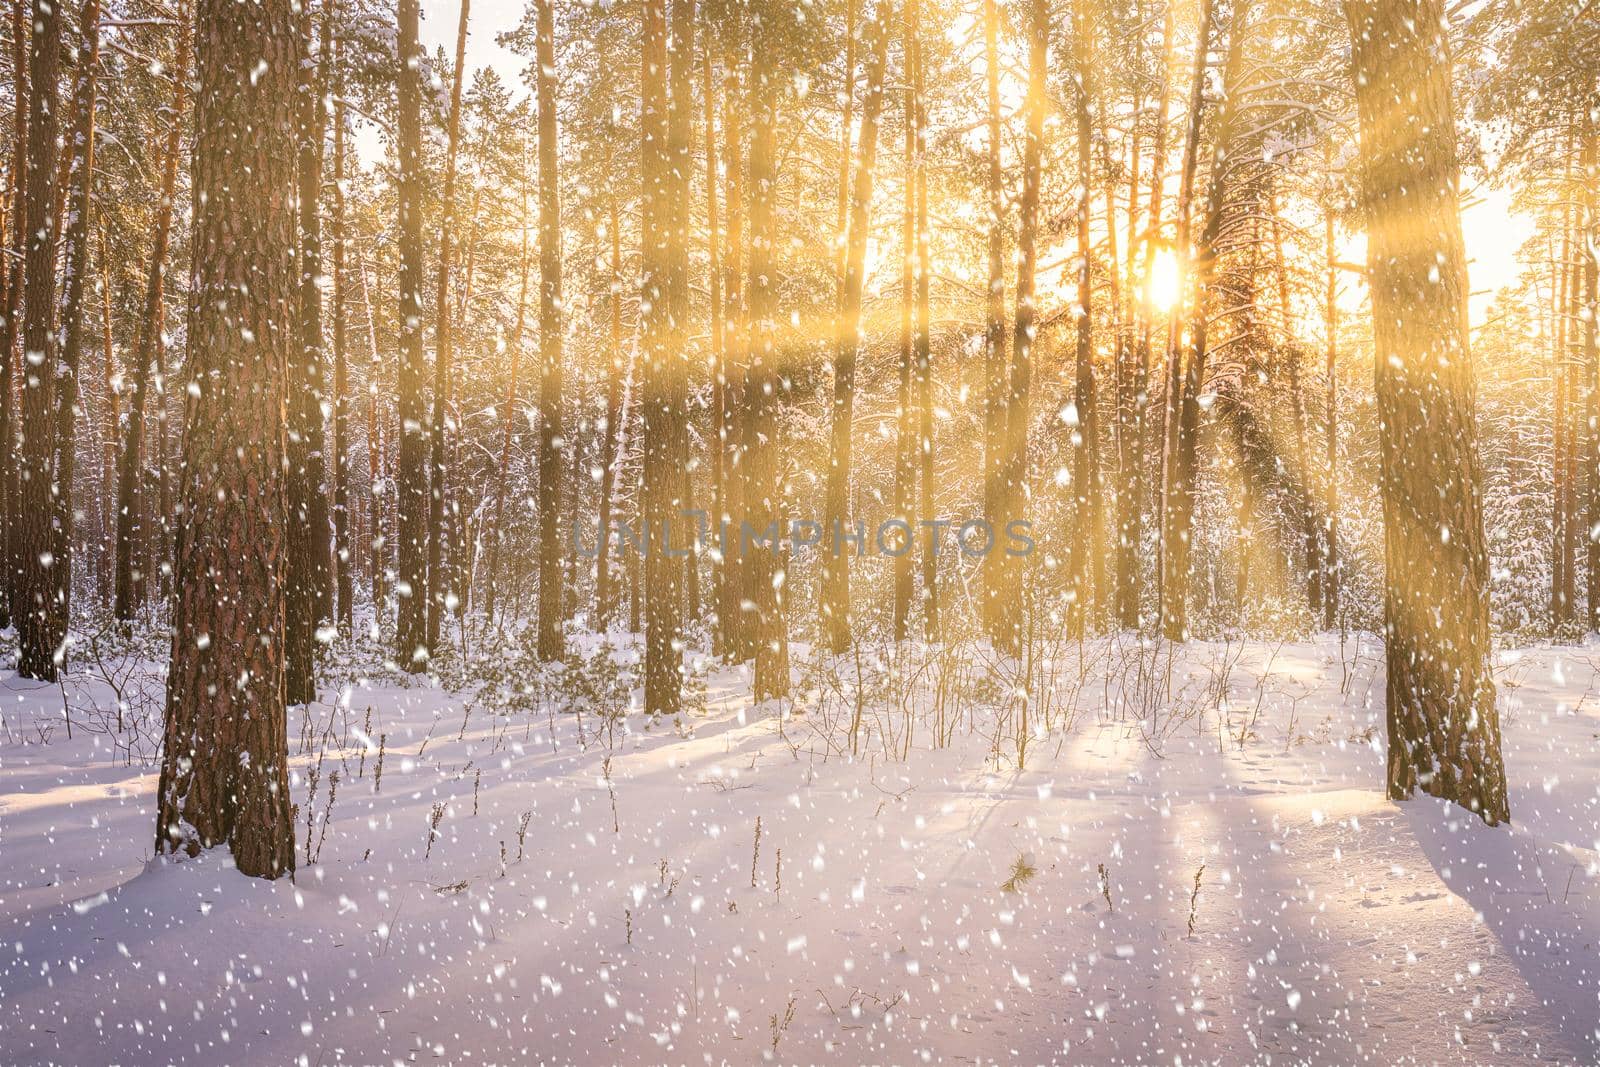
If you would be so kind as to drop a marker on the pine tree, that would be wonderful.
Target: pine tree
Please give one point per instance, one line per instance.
(224, 767)
(411, 475)
(1444, 730)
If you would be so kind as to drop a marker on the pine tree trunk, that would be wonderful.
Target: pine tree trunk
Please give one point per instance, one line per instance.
(411, 475)
(1590, 316)
(1134, 408)
(996, 386)
(378, 544)
(1087, 553)
(1007, 569)
(75, 275)
(717, 438)
(923, 367)
(306, 571)
(905, 466)
(738, 640)
(344, 557)
(148, 343)
(224, 768)
(551, 601)
(665, 366)
(509, 417)
(835, 600)
(1187, 375)
(1444, 730)
(438, 585)
(34, 595)
(1331, 584)
(10, 341)
(763, 501)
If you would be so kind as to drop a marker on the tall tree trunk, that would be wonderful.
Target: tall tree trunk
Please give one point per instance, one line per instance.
(1087, 579)
(306, 575)
(378, 545)
(225, 761)
(509, 417)
(1331, 585)
(924, 351)
(763, 388)
(717, 440)
(1310, 525)
(610, 454)
(551, 602)
(1444, 730)
(1187, 375)
(738, 639)
(411, 476)
(1561, 525)
(664, 300)
(1134, 407)
(996, 386)
(112, 416)
(75, 275)
(344, 558)
(835, 600)
(438, 585)
(35, 588)
(148, 343)
(905, 467)
(1590, 316)
(11, 339)
(1008, 568)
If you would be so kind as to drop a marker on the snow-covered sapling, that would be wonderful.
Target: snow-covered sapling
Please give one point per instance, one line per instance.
(755, 856)
(435, 815)
(522, 833)
(1194, 898)
(1022, 870)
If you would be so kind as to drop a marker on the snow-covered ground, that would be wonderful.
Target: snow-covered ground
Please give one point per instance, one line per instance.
(1217, 876)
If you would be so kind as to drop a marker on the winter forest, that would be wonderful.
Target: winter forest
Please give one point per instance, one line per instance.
(799, 531)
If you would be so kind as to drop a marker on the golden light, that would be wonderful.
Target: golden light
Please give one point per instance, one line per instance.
(1163, 286)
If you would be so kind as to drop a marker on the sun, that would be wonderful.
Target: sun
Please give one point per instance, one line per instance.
(1164, 285)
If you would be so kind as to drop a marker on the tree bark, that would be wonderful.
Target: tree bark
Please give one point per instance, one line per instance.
(663, 304)
(1135, 409)
(344, 558)
(306, 576)
(378, 543)
(509, 417)
(438, 584)
(1332, 582)
(551, 603)
(923, 368)
(905, 466)
(224, 768)
(738, 640)
(411, 475)
(1444, 730)
(1087, 576)
(1186, 376)
(75, 275)
(763, 501)
(1005, 568)
(835, 600)
(996, 387)
(34, 595)
(10, 350)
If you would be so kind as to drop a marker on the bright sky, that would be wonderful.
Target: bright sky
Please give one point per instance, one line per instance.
(1492, 230)
(488, 19)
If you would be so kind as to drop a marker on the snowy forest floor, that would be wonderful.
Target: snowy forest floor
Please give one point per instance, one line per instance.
(538, 876)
